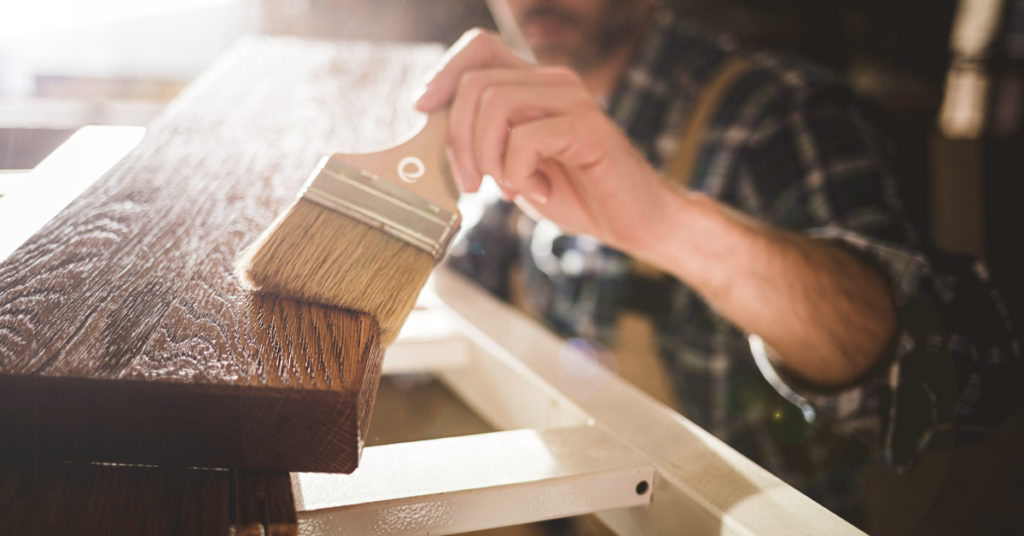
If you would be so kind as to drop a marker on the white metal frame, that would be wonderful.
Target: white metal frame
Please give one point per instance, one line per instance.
(575, 437)
(580, 440)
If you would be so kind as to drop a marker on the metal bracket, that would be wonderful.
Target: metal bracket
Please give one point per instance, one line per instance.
(581, 440)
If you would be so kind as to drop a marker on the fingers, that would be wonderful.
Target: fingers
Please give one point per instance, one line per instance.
(504, 107)
(527, 146)
(476, 49)
(463, 116)
(487, 102)
(564, 139)
(491, 91)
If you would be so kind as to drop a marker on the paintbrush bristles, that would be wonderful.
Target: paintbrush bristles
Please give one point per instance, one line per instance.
(315, 254)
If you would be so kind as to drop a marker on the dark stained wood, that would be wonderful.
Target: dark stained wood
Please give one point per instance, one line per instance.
(264, 504)
(92, 499)
(113, 500)
(123, 334)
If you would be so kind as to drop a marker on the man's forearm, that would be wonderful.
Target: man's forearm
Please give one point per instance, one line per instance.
(828, 314)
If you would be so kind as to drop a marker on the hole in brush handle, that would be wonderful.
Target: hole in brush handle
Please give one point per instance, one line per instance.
(410, 169)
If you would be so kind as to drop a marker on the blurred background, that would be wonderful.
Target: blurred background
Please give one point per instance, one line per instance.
(946, 76)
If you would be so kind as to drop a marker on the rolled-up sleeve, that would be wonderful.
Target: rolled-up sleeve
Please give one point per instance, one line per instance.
(954, 370)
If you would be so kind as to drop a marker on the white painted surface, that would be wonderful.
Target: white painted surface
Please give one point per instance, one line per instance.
(451, 485)
(516, 374)
(702, 485)
(60, 178)
(427, 343)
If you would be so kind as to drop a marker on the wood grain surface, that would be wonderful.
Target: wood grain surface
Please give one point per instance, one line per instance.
(124, 336)
(109, 500)
(263, 504)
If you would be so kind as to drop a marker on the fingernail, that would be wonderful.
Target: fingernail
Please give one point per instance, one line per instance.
(418, 98)
(538, 197)
(418, 94)
(541, 190)
(458, 178)
(429, 74)
(463, 179)
(457, 173)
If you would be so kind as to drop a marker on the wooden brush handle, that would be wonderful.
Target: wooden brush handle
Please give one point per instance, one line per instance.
(419, 164)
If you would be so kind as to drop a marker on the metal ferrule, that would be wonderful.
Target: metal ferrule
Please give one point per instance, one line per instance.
(378, 203)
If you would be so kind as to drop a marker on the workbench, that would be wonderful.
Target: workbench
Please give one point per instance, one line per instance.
(571, 437)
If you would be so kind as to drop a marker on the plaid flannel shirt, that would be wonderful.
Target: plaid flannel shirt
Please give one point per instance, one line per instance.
(787, 143)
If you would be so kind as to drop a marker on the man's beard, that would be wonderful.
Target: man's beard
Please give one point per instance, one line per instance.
(618, 23)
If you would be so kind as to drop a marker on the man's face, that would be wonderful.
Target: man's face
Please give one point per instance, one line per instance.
(578, 33)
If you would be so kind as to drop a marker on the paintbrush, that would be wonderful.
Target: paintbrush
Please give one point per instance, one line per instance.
(365, 232)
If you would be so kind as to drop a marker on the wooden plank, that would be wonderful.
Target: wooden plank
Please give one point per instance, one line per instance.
(264, 504)
(123, 334)
(95, 499)
(111, 500)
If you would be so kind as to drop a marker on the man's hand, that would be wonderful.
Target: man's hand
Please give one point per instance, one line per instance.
(546, 142)
(544, 138)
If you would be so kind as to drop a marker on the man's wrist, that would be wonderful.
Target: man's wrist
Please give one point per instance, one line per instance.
(688, 239)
